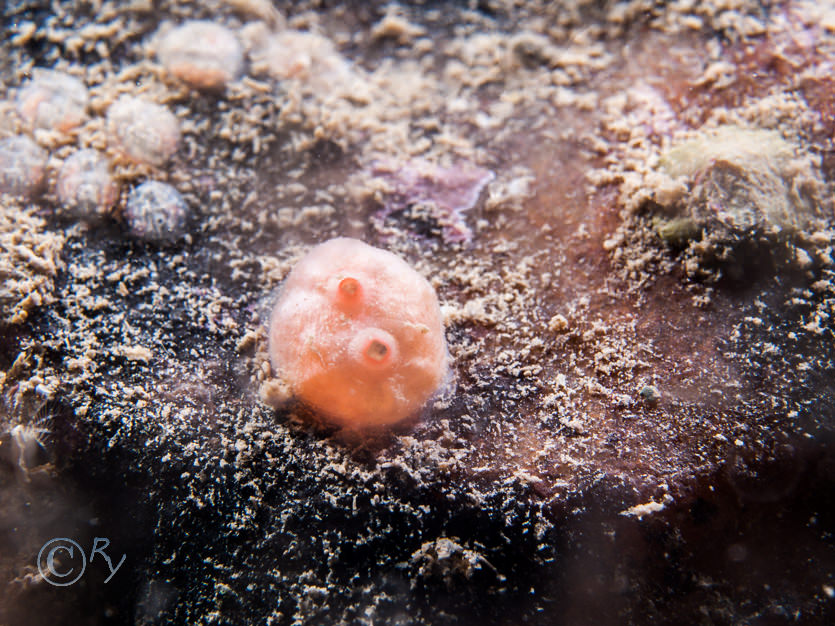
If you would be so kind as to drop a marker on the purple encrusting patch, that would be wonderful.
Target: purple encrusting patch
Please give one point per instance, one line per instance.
(449, 192)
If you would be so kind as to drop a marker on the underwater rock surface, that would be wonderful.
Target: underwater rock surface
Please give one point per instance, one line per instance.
(637, 434)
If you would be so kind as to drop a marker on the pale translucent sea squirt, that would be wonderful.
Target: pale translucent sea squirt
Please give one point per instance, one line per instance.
(22, 165)
(85, 186)
(144, 131)
(156, 212)
(201, 53)
(52, 100)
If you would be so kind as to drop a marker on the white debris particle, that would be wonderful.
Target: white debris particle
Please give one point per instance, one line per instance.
(134, 353)
(648, 508)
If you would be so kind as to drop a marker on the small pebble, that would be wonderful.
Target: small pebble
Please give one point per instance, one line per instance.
(156, 212)
(203, 54)
(85, 185)
(22, 165)
(144, 131)
(650, 394)
(53, 100)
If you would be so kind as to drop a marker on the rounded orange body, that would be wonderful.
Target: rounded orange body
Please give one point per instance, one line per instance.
(358, 335)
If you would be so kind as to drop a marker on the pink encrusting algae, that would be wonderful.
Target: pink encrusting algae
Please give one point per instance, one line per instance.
(357, 334)
(449, 192)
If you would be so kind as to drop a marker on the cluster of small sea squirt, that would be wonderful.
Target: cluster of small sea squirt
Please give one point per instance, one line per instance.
(204, 55)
